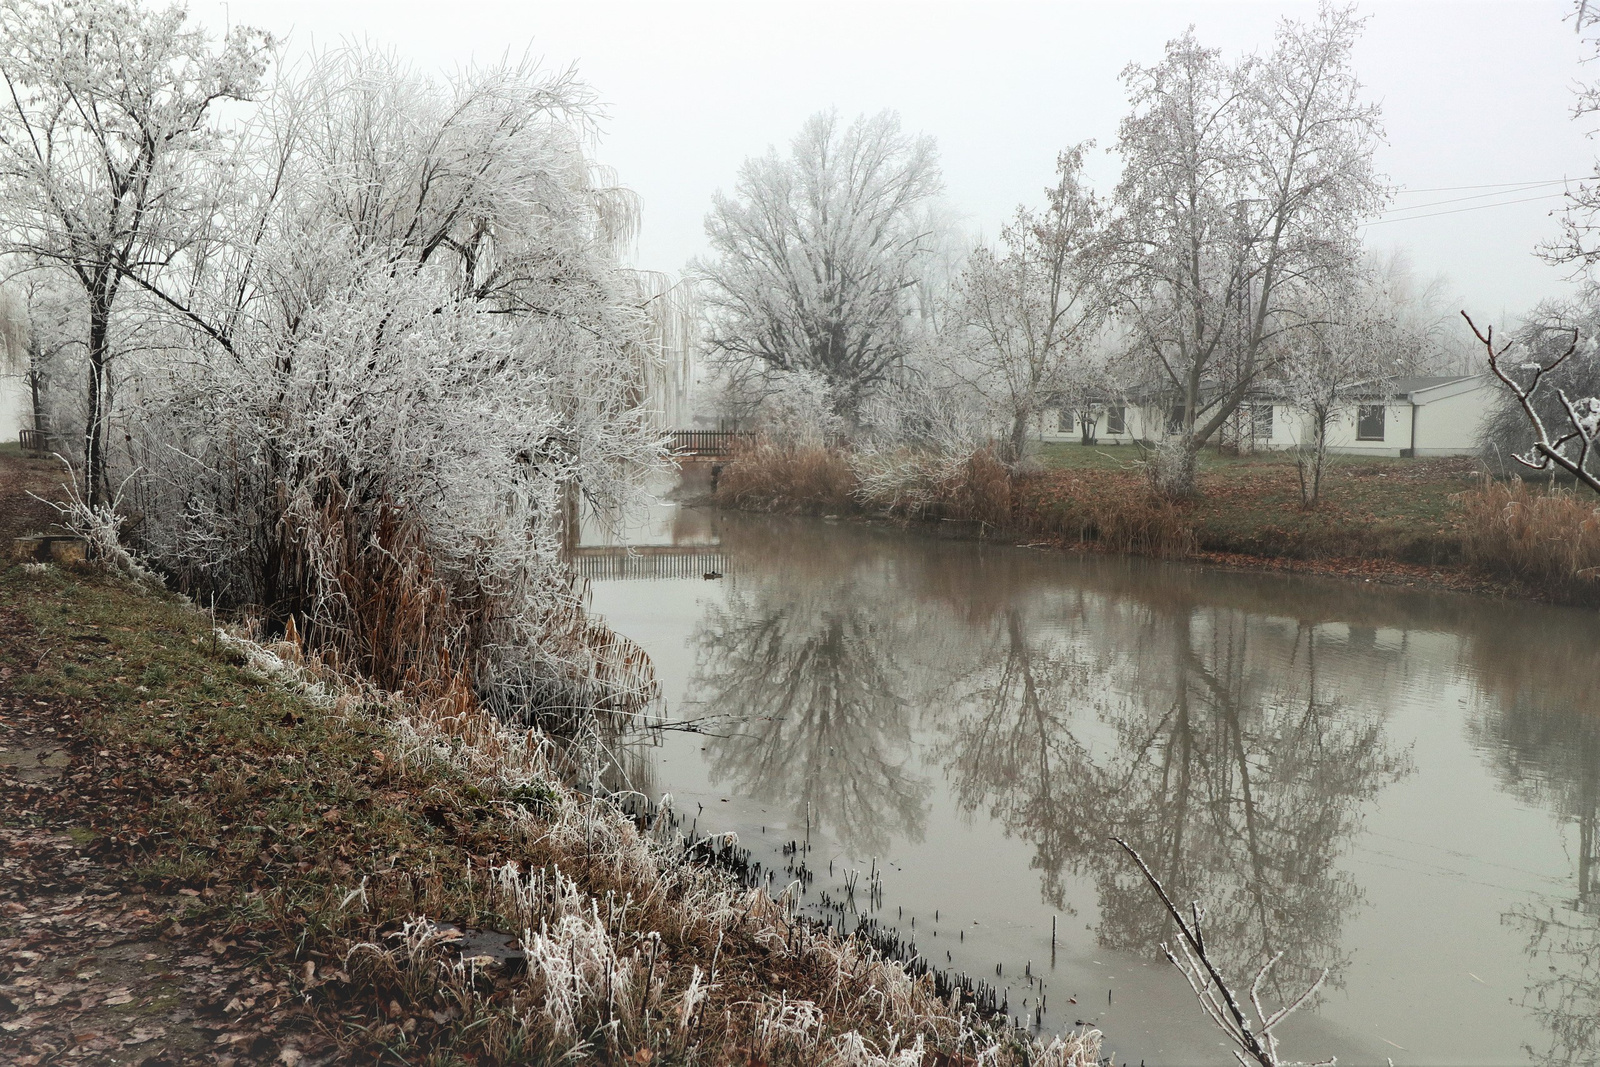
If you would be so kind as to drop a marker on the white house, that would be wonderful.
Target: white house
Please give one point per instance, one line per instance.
(1441, 415)
(16, 407)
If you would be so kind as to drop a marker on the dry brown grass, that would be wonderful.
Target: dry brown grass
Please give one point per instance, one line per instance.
(980, 490)
(1548, 541)
(766, 475)
(1118, 511)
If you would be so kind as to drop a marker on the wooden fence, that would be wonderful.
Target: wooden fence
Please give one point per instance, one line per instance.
(709, 443)
(623, 565)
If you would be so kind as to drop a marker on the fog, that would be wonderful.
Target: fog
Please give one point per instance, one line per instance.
(1473, 94)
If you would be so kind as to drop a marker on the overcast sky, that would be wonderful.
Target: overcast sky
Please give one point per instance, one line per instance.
(1474, 94)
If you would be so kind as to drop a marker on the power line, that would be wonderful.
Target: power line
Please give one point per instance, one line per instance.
(1474, 196)
(1464, 188)
(1458, 210)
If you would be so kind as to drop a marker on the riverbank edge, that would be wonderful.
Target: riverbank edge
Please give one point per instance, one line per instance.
(1375, 570)
(280, 867)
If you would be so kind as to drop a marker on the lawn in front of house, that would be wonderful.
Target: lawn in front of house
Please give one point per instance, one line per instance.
(1371, 506)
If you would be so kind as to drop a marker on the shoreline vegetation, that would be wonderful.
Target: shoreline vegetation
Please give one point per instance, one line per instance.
(219, 845)
(1434, 523)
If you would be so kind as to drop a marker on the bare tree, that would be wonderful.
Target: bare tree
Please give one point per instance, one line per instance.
(106, 107)
(816, 255)
(1565, 437)
(1034, 306)
(1242, 183)
(1349, 347)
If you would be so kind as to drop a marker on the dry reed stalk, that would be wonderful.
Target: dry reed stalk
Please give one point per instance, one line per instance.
(1120, 513)
(364, 591)
(767, 475)
(1550, 541)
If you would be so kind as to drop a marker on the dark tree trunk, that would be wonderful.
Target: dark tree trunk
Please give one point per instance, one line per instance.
(94, 428)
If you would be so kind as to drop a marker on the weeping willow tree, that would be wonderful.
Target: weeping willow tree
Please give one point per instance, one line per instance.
(407, 343)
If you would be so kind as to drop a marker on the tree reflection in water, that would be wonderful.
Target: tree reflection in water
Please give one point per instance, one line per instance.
(1238, 780)
(1540, 727)
(826, 732)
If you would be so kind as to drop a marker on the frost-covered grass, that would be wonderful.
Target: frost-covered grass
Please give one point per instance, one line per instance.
(355, 833)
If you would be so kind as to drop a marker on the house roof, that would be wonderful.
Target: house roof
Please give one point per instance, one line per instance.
(1407, 386)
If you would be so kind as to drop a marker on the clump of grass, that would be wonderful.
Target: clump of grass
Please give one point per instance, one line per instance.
(1548, 541)
(1116, 511)
(767, 474)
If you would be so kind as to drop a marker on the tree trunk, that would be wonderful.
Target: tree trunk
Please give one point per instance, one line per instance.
(35, 383)
(1176, 468)
(1016, 443)
(94, 428)
(1316, 460)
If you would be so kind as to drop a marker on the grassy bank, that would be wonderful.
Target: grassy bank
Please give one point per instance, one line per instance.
(1409, 521)
(216, 854)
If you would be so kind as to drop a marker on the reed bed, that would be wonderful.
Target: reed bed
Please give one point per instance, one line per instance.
(363, 589)
(920, 485)
(1548, 541)
(766, 474)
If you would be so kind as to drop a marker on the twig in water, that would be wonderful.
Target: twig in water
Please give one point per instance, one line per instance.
(1208, 984)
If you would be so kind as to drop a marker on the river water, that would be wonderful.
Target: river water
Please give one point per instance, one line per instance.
(1401, 788)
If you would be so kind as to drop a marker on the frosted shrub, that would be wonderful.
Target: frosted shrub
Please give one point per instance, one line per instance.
(798, 410)
(919, 446)
(410, 391)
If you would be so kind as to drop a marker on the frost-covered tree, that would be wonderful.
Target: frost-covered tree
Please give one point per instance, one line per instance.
(109, 112)
(1032, 308)
(419, 350)
(817, 256)
(1242, 183)
(1351, 344)
(1548, 415)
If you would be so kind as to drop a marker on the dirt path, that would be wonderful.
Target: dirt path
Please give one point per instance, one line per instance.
(95, 965)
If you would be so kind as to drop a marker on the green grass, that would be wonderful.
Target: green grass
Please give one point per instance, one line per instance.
(1371, 506)
(1070, 455)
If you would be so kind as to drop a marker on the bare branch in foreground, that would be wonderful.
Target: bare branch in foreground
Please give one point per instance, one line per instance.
(1583, 415)
(1216, 997)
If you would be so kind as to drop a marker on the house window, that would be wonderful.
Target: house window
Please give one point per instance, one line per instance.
(1175, 418)
(1117, 419)
(1261, 422)
(1063, 421)
(1369, 422)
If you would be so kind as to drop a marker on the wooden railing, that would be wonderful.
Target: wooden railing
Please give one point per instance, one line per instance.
(707, 442)
(36, 443)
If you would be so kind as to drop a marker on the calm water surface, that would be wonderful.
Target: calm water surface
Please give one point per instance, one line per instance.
(1400, 787)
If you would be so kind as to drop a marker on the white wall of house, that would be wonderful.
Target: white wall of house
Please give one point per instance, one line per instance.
(15, 408)
(1344, 434)
(1133, 423)
(1450, 417)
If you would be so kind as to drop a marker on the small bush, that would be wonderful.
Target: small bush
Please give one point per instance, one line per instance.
(914, 483)
(1549, 541)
